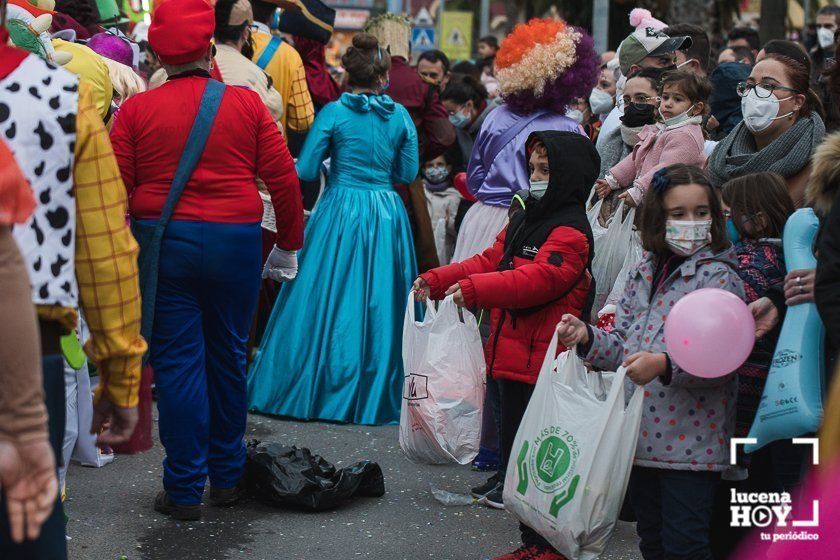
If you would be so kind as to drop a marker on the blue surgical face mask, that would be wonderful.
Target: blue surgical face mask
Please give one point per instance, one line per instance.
(537, 189)
(460, 120)
(386, 86)
(734, 236)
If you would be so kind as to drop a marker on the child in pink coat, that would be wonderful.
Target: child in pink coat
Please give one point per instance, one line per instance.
(676, 138)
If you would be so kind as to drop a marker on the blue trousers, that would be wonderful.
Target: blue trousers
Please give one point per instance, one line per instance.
(207, 291)
(673, 512)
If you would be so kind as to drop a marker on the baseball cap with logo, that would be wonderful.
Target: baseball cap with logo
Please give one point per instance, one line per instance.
(645, 42)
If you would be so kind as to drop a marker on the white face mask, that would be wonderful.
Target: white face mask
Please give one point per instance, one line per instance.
(825, 37)
(630, 134)
(538, 188)
(684, 63)
(576, 115)
(759, 113)
(685, 237)
(678, 119)
(600, 101)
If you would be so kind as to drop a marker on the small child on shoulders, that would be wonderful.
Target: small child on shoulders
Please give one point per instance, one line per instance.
(676, 138)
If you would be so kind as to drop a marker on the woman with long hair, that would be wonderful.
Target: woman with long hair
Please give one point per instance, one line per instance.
(332, 349)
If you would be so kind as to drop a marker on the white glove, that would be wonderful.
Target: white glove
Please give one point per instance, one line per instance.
(281, 266)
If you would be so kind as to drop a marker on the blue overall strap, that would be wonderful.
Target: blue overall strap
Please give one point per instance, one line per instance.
(197, 139)
(150, 242)
(268, 51)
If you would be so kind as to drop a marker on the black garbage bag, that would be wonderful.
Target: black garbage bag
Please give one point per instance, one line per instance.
(286, 476)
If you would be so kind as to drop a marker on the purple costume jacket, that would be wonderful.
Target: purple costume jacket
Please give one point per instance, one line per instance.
(497, 182)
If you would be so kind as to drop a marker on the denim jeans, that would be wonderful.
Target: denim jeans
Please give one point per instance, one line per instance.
(673, 512)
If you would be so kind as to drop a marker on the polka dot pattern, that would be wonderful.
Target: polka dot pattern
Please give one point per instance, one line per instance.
(687, 423)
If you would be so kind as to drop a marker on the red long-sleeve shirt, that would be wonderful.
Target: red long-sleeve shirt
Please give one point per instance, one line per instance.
(149, 136)
(435, 132)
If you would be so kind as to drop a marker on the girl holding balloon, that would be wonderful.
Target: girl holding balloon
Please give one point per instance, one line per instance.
(683, 442)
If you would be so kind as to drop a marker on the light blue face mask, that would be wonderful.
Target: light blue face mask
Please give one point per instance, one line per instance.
(538, 188)
(460, 120)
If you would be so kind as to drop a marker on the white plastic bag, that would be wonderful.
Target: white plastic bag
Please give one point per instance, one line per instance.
(592, 214)
(443, 391)
(634, 255)
(571, 458)
(610, 251)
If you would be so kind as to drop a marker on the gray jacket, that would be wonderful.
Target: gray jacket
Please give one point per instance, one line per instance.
(686, 424)
(612, 150)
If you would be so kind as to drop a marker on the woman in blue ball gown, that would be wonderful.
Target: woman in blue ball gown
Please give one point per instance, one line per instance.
(332, 347)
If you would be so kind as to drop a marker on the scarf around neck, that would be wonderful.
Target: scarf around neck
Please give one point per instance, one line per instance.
(737, 155)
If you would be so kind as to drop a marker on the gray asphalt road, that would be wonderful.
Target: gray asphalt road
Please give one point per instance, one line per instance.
(111, 515)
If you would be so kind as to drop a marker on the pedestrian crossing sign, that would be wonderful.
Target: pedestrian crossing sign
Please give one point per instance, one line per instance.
(422, 39)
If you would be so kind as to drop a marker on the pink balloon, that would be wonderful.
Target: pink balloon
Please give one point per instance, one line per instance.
(710, 333)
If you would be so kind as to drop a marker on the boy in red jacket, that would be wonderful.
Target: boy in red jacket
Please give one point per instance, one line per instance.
(536, 271)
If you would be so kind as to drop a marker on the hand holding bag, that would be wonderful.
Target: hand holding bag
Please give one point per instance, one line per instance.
(571, 458)
(443, 391)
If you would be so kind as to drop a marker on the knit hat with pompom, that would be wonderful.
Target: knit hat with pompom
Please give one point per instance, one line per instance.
(639, 17)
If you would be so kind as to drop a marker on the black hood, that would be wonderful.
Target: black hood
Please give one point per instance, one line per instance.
(573, 164)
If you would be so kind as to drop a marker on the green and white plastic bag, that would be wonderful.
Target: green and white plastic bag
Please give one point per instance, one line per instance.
(571, 459)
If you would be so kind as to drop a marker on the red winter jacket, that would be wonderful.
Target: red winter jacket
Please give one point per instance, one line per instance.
(517, 346)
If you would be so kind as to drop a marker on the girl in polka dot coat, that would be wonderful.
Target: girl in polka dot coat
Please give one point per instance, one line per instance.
(687, 421)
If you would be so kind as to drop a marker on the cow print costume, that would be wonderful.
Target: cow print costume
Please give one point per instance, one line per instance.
(38, 109)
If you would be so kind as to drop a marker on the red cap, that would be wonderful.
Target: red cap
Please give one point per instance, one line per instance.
(181, 30)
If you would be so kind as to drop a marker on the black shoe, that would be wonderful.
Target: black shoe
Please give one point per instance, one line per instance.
(226, 497)
(487, 487)
(494, 498)
(165, 505)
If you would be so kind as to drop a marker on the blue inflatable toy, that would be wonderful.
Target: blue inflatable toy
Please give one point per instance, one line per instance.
(791, 405)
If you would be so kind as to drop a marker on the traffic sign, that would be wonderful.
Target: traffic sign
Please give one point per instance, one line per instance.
(424, 18)
(422, 39)
(456, 34)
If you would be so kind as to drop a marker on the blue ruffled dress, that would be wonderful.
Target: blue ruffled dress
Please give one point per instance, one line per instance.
(332, 347)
